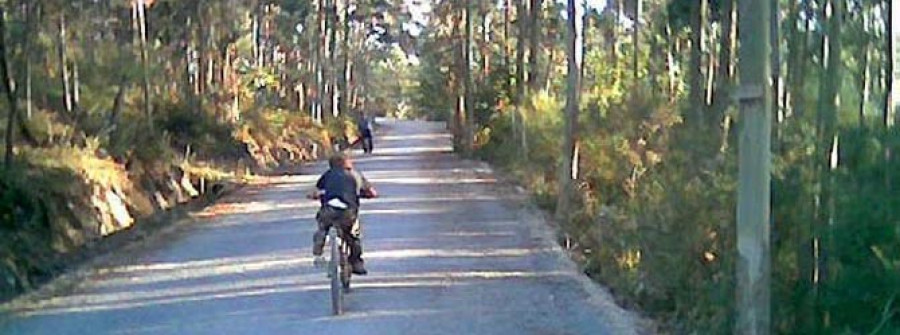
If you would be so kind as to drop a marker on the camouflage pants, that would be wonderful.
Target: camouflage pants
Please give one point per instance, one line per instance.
(348, 222)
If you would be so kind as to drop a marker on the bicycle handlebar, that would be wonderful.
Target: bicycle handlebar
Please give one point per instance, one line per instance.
(366, 194)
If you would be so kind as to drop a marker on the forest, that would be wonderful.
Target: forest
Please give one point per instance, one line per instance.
(624, 118)
(646, 170)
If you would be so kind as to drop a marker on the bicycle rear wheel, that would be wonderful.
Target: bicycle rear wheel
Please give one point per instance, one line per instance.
(335, 272)
(345, 267)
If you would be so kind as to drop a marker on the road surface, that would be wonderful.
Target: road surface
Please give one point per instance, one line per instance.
(449, 250)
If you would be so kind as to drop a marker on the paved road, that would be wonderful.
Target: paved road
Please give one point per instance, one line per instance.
(449, 250)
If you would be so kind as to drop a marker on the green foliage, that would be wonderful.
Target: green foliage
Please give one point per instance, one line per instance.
(864, 277)
(649, 228)
(199, 132)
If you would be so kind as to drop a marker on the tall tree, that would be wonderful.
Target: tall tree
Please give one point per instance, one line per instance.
(321, 59)
(521, 89)
(469, 124)
(775, 40)
(140, 10)
(64, 74)
(8, 89)
(827, 138)
(636, 36)
(864, 71)
(699, 16)
(892, 28)
(536, 21)
(725, 62)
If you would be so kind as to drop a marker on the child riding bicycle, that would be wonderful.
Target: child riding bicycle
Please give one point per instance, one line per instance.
(339, 190)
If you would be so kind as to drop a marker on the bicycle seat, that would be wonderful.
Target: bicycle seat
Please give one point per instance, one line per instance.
(337, 204)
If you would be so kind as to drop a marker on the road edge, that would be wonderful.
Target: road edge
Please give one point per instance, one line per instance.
(620, 319)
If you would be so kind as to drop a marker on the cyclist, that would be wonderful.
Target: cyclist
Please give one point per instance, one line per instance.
(339, 190)
(366, 126)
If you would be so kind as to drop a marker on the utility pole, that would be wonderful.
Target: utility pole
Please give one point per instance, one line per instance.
(753, 209)
(567, 172)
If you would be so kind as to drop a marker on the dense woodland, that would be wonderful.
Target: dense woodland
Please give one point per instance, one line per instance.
(623, 119)
(646, 175)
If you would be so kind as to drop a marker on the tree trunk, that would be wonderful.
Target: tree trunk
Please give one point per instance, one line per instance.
(534, 44)
(585, 46)
(775, 40)
(522, 19)
(145, 61)
(507, 47)
(29, 92)
(614, 39)
(332, 59)
(797, 62)
(76, 90)
(638, 4)
(31, 11)
(459, 78)
(710, 89)
(321, 45)
(468, 128)
(695, 70)
(893, 69)
(725, 63)
(62, 49)
(258, 49)
(866, 77)
(753, 211)
(202, 55)
(791, 34)
(828, 105)
(484, 46)
(570, 127)
(118, 102)
(10, 94)
(672, 68)
(653, 65)
(346, 66)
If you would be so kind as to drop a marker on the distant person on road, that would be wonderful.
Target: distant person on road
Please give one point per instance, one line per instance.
(339, 190)
(366, 127)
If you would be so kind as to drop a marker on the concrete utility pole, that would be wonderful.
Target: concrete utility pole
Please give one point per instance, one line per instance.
(753, 210)
(567, 171)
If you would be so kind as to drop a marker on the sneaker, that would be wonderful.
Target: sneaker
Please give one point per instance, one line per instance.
(358, 268)
(318, 243)
(319, 262)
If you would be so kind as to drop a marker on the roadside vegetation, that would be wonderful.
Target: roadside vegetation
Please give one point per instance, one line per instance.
(653, 152)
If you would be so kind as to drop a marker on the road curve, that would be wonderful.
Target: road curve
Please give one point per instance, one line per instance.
(449, 250)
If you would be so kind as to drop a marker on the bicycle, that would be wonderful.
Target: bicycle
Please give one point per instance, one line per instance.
(339, 269)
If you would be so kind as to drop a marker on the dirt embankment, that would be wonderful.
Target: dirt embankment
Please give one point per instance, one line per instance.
(64, 206)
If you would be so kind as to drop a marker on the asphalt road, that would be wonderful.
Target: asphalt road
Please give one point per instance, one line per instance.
(449, 250)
